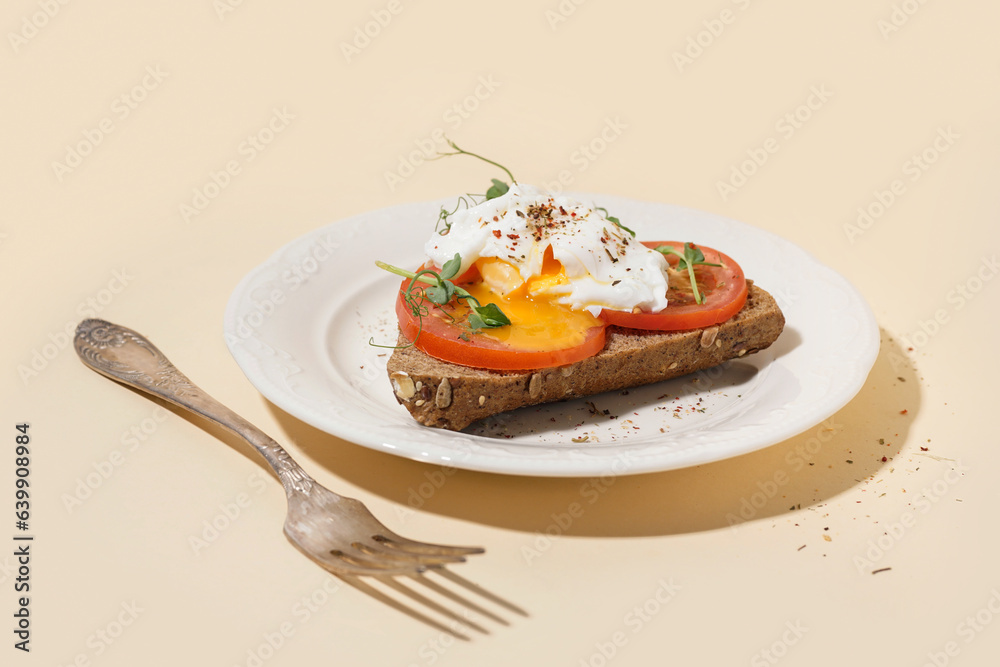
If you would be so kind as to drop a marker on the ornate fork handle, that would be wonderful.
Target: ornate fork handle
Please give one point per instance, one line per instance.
(129, 357)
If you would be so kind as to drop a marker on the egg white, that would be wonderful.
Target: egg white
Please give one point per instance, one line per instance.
(605, 267)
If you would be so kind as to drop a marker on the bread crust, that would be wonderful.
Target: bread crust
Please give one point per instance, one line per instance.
(449, 396)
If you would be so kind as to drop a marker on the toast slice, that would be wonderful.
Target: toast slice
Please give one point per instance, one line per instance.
(449, 396)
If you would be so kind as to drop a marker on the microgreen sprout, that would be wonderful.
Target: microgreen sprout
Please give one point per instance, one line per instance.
(615, 220)
(438, 288)
(496, 183)
(443, 225)
(497, 188)
(691, 256)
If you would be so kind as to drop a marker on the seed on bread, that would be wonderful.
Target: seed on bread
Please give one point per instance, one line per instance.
(442, 398)
(535, 385)
(403, 385)
(708, 336)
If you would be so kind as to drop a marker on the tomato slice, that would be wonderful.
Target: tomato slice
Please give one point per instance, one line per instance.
(438, 336)
(471, 275)
(724, 290)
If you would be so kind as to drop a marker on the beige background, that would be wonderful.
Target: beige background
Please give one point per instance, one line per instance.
(106, 232)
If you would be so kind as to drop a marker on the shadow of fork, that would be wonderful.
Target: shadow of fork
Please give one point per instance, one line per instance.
(458, 622)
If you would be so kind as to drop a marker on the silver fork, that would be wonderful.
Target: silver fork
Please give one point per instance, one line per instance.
(338, 533)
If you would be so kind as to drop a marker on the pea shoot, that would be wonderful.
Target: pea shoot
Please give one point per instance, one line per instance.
(611, 218)
(497, 188)
(691, 257)
(438, 288)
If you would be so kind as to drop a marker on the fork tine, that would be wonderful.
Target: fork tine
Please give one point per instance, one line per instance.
(379, 550)
(395, 541)
(342, 567)
(350, 563)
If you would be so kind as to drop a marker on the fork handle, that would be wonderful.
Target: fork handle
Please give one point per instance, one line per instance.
(130, 358)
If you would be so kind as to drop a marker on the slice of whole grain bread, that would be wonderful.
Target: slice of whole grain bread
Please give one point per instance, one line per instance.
(446, 395)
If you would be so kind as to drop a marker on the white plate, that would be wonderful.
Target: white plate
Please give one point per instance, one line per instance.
(299, 326)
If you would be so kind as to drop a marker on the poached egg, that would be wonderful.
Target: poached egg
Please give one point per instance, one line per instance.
(551, 263)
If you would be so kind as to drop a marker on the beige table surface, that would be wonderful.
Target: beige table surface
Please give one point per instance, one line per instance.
(119, 115)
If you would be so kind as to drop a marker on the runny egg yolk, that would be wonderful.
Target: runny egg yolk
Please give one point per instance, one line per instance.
(537, 322)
